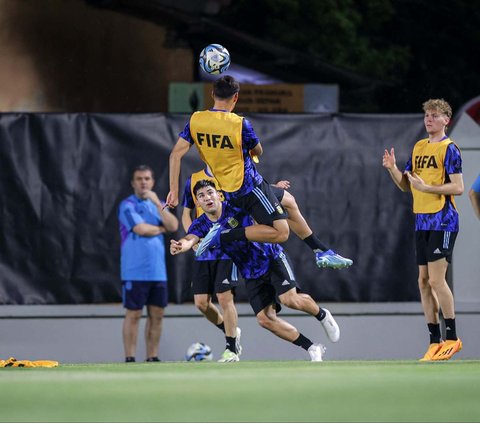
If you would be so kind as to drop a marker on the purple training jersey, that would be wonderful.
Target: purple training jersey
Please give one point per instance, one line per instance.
(446, 219)
(253, 259)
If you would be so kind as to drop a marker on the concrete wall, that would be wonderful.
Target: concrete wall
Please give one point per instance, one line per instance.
(77, 334)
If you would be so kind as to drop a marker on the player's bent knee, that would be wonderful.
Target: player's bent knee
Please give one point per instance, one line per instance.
(225, 300)
(437, 283)
(202, 305)
(423, 283)
(288, 201)
(264, 321)
(291, 302)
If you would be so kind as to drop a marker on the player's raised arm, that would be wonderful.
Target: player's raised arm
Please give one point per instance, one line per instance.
(397, 176)
(186, 218)
(179, 150)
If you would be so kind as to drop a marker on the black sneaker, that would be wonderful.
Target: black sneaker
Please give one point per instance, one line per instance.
(129, 359)
(152, 359)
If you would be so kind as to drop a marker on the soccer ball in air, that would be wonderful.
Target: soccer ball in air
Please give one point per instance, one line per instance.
(214, 59)
(199, 352)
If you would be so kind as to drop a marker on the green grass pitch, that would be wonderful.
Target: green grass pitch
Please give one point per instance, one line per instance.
(248, 391)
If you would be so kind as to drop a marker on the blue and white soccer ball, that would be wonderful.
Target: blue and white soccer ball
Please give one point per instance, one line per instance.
(199, 352)
(214, 59)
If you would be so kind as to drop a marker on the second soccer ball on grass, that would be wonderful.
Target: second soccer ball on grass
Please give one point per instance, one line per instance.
(199, 351)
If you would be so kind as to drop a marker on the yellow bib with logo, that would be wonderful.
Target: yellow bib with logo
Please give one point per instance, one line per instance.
(428, 163)
(218, 137)
(199, 176)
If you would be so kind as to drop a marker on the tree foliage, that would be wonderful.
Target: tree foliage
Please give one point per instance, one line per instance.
(421, 48)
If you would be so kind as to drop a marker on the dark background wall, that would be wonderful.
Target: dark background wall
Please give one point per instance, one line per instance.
(387, 56)
(63, 176)
(64, 55)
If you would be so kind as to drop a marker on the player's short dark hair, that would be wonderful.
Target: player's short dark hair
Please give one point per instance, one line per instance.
(143, 168)
(225, 87)
(203, 183)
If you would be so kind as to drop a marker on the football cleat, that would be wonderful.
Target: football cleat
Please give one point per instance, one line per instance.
(228, 357)
(238, 346)
(331, 327)
(432, 350)
(211, 240)
(332, 260)
(449, 348)
(316, 352)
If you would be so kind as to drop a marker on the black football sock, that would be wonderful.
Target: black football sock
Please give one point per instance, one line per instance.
(129, 359)
(303, 342)
(231, 343)
(434, 330)
(221, 326)
(450, 330)
(229, 235)
(321, 314)
(315, 244)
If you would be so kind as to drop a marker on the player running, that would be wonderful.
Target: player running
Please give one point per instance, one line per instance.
(265, 268)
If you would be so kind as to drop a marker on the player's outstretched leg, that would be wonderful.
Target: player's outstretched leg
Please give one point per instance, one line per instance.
(323, 256)
(268, 319)
(303, 302)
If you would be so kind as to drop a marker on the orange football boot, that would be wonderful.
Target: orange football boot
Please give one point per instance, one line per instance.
(432, 350)
(449, 348)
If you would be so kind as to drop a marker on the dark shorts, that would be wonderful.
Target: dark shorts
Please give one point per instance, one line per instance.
(265, 290)
(138, 294)
(262, 204)
(278, 192)
(434, 245)
(214, 276)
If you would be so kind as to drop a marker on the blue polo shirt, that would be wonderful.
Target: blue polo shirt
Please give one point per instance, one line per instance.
(476, 184)
(142, 258)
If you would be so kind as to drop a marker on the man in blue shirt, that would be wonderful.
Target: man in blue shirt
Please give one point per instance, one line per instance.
(143, 220)
(264, 266)
(474, 195)
(433, 175)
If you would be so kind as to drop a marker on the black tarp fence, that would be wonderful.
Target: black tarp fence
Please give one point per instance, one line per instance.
(64, 175)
